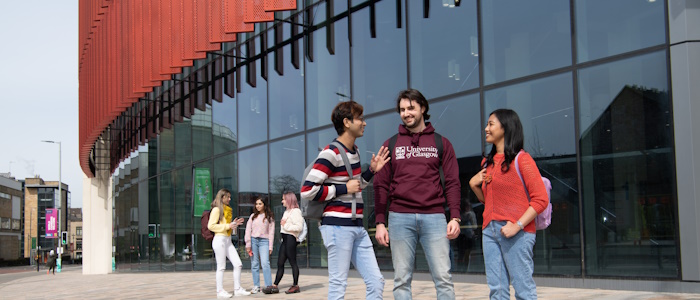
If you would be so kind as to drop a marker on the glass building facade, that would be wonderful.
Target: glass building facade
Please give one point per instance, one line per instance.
(589, 79)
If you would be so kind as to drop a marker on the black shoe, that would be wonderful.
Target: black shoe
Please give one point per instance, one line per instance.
(270, 289)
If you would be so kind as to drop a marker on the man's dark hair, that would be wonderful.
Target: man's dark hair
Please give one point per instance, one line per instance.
(348, 109)
(413, 95)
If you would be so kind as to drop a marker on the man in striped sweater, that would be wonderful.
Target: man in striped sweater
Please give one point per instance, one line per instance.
(344, 235)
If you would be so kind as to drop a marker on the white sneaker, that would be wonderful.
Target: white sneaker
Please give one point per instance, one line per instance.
(223, 295)
(255, 290)
(241, 292)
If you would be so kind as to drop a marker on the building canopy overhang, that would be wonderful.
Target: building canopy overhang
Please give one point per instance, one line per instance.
(135, 56)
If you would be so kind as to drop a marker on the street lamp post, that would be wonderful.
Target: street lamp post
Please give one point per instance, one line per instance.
(60, 194)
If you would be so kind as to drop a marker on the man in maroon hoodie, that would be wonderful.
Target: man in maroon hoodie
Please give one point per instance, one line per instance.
(412, 186)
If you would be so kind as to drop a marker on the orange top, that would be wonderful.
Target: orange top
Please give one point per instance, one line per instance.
(504, 194)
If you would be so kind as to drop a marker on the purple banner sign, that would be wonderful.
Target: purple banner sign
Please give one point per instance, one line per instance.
(51, 223)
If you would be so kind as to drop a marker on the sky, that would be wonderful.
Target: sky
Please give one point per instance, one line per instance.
(39, 84)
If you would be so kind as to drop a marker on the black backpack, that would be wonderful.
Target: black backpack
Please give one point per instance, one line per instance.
(206, 233)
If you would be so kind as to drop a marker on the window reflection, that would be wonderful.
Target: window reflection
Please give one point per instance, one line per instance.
(328, 76)
(627, 168)
(444, 48)
(605, 28)
(524, 37)
(183, 142)
(546, 110)
(166, 146)
(202, 133)
(286, 92)
(378, 64)
(252, 105)
(224, 125)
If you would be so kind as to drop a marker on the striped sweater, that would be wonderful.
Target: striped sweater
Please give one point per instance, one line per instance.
(327, 182)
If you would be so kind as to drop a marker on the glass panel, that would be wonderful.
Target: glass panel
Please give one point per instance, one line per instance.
(328, 76)
(202, 134)
(183, 142)
(286, 92)
(378, 64)
(181, 236)
(524, 37)
(605, 28)
(166, 145)
(201, 252)
(224, 127)
(252, 105)
(444, 48)
(627, 164)
(253, 181)
(546, 110)
(164, 230)
(318, 140)
(286, 169)
(152, 158)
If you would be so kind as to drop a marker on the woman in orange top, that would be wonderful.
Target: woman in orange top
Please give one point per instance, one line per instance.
(508, 228)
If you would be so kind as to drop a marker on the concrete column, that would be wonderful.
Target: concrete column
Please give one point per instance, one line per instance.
(684, 21)
(97, 215)
(97, 226)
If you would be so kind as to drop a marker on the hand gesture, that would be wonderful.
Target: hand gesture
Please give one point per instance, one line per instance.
(353, 186)
(382, 235)
(238, 221)
(478, 179)
(250, 252)
(380, 159)
(453, 230)
(510, 229)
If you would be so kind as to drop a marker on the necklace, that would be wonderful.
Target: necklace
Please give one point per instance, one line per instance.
(489, 177)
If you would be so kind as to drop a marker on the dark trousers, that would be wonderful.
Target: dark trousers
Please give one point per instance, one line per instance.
(288, 251)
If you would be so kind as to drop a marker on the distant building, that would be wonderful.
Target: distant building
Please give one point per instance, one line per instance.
(40, 195)
(10, 218)
(75, 234)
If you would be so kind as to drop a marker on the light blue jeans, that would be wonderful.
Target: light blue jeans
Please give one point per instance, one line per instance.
(346, 244)
(405, 230)
(261, 255)
(509, 260)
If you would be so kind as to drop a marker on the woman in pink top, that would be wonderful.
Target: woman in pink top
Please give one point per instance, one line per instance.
(259, 237)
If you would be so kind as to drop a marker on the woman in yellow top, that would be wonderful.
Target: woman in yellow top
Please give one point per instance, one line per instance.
(221, 222)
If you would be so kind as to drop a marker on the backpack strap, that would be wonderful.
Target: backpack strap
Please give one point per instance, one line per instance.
(438, 144)
(348, 167)
(517, 169)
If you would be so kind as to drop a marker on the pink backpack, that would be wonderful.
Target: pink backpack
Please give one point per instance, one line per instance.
(542, 220)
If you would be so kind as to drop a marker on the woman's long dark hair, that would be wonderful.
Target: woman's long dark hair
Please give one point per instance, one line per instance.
(513, 138)
(267, 211)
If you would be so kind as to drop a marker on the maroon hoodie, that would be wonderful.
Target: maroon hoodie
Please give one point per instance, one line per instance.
(415, 186)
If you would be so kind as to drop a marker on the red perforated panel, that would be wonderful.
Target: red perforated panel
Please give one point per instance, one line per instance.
(255, 12)
(235, 13)
(217, 26)
(275, 5)
(202, 17)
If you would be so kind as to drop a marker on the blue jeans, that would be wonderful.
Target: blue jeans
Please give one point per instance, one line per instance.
(508, 260)
(261, 255)
(405, 230)
(347, 244)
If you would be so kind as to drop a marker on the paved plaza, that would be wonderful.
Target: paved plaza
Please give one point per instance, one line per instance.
(26, 283)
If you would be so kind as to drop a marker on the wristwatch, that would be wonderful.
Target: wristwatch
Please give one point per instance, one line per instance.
(521, 225)
(459, 221)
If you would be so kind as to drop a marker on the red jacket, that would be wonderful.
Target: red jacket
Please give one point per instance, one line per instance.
(415, 185)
